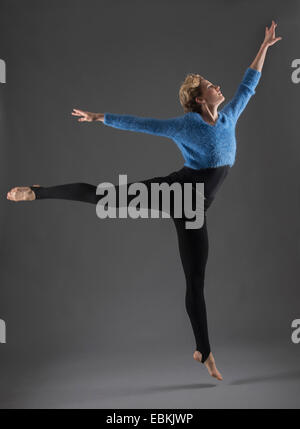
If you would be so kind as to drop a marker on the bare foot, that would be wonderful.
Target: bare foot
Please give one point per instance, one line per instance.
(209, 363)
(21, 193)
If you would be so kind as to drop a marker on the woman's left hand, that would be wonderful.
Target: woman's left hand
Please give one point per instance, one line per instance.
(270, 38)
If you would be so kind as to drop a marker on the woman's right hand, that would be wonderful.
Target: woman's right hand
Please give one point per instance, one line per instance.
(88, 116)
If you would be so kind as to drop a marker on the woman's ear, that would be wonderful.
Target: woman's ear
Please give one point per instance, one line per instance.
(199, 100)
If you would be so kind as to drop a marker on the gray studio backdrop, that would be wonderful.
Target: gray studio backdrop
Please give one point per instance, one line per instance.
(74, 285)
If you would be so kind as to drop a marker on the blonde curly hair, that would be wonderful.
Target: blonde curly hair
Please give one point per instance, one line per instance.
(189, 90)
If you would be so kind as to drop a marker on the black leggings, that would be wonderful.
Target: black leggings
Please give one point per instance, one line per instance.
(193, 243)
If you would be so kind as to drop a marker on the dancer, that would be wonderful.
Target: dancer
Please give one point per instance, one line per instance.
(206, 138)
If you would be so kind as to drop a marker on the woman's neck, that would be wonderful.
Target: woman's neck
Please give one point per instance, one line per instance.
(209, 113)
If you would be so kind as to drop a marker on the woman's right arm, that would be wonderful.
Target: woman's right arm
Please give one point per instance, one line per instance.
(160, 127)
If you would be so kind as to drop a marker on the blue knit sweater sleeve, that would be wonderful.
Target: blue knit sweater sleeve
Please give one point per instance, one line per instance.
(160, 127)
(246, 89)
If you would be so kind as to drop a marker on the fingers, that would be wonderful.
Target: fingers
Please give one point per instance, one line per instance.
(77, 112)
(272, 27)
(276, 40)
(270, 34)
(84, 118)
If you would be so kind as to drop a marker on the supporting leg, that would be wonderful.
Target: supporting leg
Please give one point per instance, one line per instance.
(193, 249)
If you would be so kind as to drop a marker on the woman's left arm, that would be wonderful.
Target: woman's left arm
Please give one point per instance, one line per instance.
(269, 40)
(246, 89)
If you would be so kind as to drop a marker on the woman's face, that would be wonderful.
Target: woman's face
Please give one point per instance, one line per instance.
(211, 94)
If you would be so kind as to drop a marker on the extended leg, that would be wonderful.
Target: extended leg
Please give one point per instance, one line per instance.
(73, 191)
(86, 192)
(83, 192)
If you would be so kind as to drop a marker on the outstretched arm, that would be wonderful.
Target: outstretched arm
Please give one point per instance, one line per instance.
(160, 127)
(251, 77)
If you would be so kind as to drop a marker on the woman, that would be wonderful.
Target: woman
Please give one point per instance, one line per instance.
(206, 138)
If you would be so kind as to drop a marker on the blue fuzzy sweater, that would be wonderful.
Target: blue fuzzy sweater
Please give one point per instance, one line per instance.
(202, 145)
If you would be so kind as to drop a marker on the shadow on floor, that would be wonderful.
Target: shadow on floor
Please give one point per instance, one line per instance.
(156, 389)
(132, 391)
(288, 375)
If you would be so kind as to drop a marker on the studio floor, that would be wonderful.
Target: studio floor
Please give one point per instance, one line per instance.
(254, 377)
